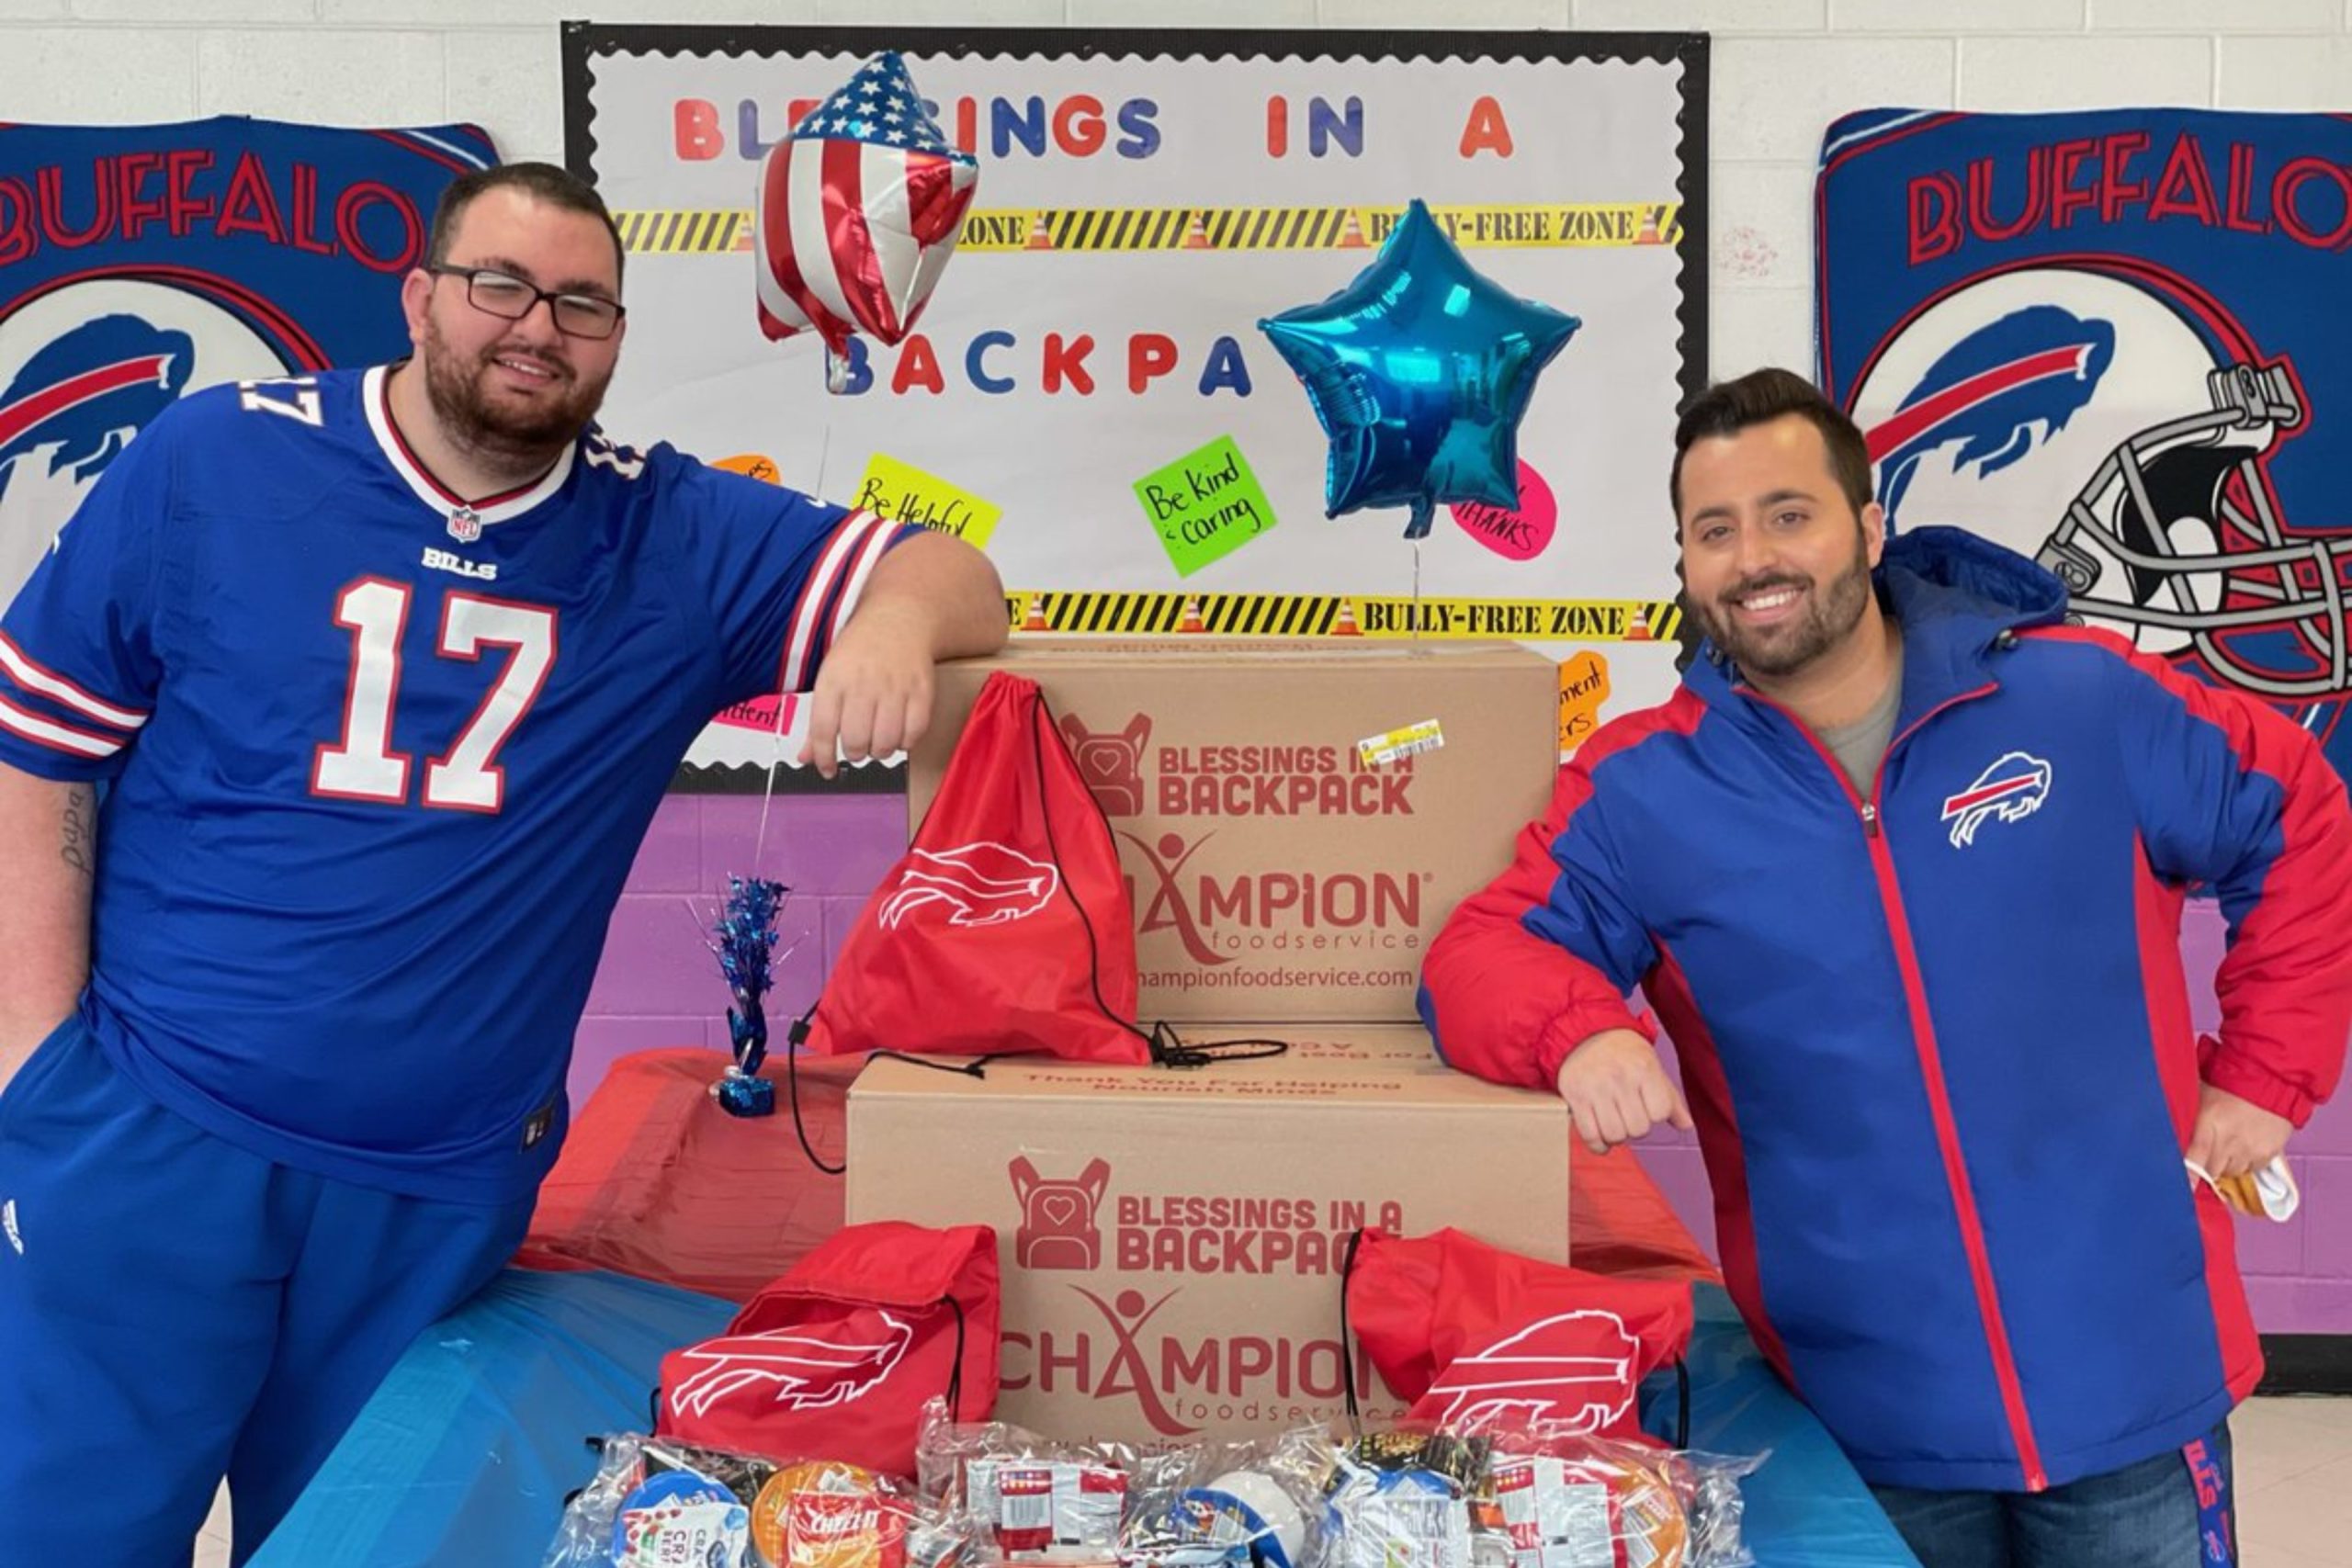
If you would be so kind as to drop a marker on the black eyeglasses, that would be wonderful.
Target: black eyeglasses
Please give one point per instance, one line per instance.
(502, 294)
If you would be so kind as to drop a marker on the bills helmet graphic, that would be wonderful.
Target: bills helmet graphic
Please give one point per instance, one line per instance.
(83, 396)
(1111, 762)
(1575, 1369)
(796, 1371)
(2011, 789)
(1057, 1216)
(83, 371)
(978, 885)
(2118, 425)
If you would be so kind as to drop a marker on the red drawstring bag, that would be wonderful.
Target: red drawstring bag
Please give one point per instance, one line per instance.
(837, 1358)
(1471, 1334)
(1007, 927)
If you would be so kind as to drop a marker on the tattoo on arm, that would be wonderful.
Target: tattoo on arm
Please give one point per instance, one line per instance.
(81, 846)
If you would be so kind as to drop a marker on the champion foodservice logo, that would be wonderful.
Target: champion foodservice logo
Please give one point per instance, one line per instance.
(1164, 907)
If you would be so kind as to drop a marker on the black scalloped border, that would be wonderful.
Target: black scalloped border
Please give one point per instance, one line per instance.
(582, 42)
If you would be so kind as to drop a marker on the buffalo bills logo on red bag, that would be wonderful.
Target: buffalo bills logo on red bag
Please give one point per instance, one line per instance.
(1057, 1216)
(804, 1372)
(978, 885)
(1111, 762)
(1576, 1369)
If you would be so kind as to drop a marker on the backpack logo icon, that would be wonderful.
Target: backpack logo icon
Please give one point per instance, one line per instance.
(978, 885)
(1111, 762)
(1058, 1228)
(806, 1373)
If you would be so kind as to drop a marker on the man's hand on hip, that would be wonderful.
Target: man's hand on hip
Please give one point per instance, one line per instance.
(1617, 1090)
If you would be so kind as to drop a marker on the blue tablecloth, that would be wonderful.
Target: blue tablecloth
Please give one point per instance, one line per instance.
(464, 1456)
(1806, 1506)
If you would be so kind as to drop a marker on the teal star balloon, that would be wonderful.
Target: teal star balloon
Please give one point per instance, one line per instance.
(1420, 371)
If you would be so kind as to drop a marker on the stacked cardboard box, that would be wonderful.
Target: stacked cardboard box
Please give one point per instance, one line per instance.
(1296, 823)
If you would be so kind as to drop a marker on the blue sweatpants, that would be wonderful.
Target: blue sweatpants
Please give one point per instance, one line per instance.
(174, 1310)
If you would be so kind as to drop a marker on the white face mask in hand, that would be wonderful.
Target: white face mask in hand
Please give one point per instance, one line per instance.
(2268, 1193)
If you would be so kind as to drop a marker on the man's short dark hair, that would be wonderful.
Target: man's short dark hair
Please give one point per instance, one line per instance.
(541, 182)
(1759, 397)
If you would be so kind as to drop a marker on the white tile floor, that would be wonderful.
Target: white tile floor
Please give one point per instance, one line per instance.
(2294, 1475)
(2294, 1469)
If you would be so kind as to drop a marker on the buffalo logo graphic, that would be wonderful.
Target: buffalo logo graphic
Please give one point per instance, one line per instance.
(85, 370)
(81, 397)
(1576, 1369)
(1111, 762)
(2012, 788)
(1057, 1224)
(978, 885)
(1994, 395)
(796, 1370)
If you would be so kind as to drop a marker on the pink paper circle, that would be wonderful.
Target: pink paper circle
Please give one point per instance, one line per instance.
(1515, 535)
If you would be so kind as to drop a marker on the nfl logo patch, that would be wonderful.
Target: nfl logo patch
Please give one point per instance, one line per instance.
(465, 525)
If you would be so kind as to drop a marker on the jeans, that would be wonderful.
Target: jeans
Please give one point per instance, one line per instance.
(2143, 1515)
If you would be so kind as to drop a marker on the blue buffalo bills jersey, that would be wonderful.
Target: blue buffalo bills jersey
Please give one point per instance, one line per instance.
(382, 757)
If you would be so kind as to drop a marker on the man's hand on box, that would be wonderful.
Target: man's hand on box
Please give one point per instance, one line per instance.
(1617, 1090)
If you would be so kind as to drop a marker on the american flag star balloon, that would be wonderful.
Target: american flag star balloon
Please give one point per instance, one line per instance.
(859, 209)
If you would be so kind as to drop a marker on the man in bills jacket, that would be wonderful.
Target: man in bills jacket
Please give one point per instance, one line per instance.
(1901, 867)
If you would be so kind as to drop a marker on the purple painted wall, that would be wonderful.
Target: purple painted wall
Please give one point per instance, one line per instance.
(659, 986)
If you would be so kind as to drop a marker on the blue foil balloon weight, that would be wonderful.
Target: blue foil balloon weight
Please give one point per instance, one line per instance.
(745, 939)
(1420, 371)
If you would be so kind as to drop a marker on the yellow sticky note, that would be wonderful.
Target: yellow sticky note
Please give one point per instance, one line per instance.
(1584, 688)
(904, 493)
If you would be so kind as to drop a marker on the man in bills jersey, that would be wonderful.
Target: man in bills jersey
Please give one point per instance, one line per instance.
(386, 671)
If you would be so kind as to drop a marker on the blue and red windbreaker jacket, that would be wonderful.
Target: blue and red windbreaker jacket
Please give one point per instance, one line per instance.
(1937, 1038)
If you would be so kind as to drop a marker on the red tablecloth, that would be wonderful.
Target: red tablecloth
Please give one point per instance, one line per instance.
(655, 1182)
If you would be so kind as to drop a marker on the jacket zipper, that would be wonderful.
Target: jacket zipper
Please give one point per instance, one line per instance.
(1923, 1038)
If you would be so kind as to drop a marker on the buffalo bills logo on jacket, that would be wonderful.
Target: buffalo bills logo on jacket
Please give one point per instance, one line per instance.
(795, 1371)
(978, 885)
(2011, 789)
(1576, 1368)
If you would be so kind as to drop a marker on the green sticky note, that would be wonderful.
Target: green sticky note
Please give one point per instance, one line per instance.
(1205, 505)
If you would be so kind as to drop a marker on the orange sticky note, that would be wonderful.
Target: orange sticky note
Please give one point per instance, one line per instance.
(1584, 688)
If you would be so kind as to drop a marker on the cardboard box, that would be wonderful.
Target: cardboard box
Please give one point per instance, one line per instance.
(1276, 873)
(1173, 1240)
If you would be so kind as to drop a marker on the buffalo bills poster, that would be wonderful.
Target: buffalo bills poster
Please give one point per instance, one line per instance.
(142, 263)
(2116, 343)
